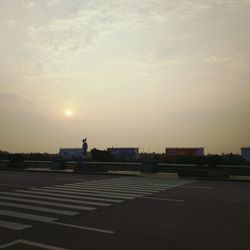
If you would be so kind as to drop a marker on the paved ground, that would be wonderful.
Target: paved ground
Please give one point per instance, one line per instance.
(68, 211)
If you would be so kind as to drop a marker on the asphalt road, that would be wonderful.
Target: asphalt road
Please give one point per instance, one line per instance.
(68, 211)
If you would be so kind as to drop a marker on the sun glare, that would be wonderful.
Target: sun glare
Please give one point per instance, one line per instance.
(68, 113)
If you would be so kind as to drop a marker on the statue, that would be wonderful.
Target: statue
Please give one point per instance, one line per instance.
(84, 147)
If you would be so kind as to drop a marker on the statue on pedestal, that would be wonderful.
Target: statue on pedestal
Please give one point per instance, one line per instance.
(84, 147)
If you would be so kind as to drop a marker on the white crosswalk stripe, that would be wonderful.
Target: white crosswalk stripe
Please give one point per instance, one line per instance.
(108, 189)
(139, 184)
(56, 199)
(100, 191)
(13, 225)
(54, 191)
(98, 194)
(138, 181)
(28, 216)
(142, 186)
(65, 195)
(142, 182)
(124, 188)
(48, 203)
(37, 208)
(70, 199)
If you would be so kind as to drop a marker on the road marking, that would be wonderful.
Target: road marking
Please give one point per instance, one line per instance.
(48, 203)
(31, 243)
(117, 188)
(13, 225)
(99, 192)
(142, 186)
(9, 185)
(145, 182)
(151, 184)
(82, 227)
(29, 216)
(113, 189)
(78, 195)
(162, 199)
(196, 187)
(92, 194)
(118, 184)
(73, 179)
(137, 181)
(63, 195)
(57, 199)
(123, 184)
(42, 209)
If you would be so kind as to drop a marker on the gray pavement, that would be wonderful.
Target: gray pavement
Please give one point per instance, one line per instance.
(70, 211)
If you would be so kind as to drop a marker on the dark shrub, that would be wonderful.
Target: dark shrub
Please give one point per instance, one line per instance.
(214, 160)
(101, 155)
(16, 158)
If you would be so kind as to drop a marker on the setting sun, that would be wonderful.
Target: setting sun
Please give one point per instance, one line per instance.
(68, 113)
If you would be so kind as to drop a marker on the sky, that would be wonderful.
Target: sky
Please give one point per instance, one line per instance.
(147, 73)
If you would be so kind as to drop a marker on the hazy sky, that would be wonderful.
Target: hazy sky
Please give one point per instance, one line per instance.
(145, 73)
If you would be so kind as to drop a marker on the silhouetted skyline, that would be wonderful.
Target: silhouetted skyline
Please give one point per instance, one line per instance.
(149, 74)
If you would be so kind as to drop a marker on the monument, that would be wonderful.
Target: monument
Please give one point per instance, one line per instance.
(81, 162)
(84, 148)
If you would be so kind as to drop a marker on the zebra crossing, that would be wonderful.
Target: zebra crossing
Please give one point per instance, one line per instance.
(52, 202)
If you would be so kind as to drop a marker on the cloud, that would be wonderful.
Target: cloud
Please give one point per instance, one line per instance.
(90, 19)
(220, 59)
(236, 60)
(30, 68)
(241, 63)
(82, 24)
(28, 5)
(52, 3)
(13, 99)
(14, 23)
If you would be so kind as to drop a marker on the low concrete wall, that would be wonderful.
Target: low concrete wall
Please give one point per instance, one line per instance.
(83, 167)
(16, 165)
(58, 165)
(212, 172)
(2, 165)
(148, 167)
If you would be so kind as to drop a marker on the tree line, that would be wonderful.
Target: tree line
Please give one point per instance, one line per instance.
(104, 156)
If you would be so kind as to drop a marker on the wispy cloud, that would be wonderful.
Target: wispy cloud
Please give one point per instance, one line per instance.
(236, 60)
(14, 23)
(13, 99)
(220, 59)
(112, 60)
(52, 3)
(28, 5)
(85, 22)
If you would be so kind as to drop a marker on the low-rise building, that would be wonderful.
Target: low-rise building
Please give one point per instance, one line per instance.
(245, 153)
(174, 153)
(124, 153)
(71, 153)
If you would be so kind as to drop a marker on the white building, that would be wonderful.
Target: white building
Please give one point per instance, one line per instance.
(124, 153)
(71, 153)
(245, 153)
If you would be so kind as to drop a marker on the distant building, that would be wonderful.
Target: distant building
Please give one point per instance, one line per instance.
(71, 153)
(174, 153)
(245, 153)
(124, 153)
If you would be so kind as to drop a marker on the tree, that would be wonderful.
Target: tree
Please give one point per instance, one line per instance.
(100, 155)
